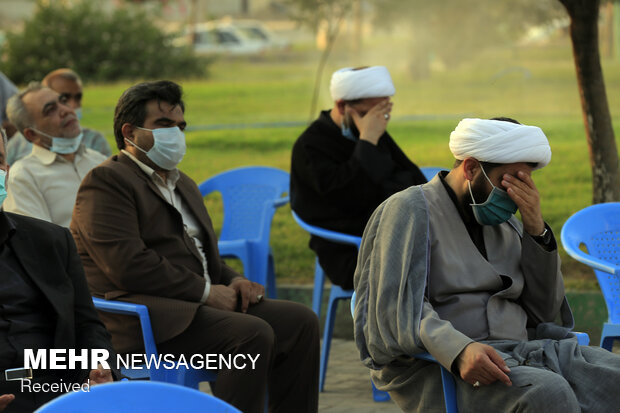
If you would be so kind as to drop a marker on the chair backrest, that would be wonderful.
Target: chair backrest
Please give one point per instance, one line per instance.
(250, 196)
(598, 228)
(136, 397)
(430, 171)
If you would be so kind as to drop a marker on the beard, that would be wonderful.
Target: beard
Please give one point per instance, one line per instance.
(349, 123)
(480, 193)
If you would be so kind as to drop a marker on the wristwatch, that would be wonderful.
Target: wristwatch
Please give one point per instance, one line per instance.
(544, 237)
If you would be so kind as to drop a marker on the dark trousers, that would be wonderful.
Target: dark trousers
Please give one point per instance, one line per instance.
(285, 334)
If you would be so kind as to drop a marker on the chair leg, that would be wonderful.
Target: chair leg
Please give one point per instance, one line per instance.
(610, 333)
(317, 294)
(379, 395)
(327, 337)
(271, 278)
(607, 343)
(449, 391)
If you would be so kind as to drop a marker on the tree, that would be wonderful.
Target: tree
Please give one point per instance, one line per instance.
(599, 131)
(313, 13)
(124, 44)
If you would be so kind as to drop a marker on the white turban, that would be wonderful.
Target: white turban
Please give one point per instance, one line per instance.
(370, 82)
(500, 142)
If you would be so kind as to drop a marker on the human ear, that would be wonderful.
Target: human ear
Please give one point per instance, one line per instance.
(470, 166)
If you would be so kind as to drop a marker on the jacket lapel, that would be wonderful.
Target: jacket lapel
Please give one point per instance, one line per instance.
(124, 159)
(188, 194)
(188, 191)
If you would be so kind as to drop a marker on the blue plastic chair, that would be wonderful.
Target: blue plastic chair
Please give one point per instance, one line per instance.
(137, 397)
(430, 171)
(598, 228)
(250, 196)
(179, 375)
(336, 294)
(447, 379)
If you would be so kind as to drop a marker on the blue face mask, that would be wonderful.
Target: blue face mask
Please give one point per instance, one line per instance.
(347, 132)
(78, 113)
(63, 146)
(498, 207)
(168, 147)
(2, 186)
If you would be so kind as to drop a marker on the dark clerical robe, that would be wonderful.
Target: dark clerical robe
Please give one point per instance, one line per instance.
(337, 182)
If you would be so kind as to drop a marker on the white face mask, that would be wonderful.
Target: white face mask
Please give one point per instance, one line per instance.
(168, 147)
(63, 146)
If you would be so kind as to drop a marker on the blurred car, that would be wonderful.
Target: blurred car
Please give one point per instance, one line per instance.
(213, 38)
(255, 30)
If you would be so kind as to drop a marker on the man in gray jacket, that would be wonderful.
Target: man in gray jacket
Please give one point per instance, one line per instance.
(446, 268)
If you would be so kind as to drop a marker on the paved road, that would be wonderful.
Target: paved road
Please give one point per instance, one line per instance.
(347, 384)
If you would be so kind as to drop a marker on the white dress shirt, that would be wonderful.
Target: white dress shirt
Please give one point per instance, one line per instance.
(192, 227)
(44, 184)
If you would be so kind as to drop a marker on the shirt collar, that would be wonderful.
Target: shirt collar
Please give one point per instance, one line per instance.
(48, 157)
(173, 175)
(453, 197)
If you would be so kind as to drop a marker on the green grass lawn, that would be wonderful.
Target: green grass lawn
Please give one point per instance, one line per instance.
(535, 85)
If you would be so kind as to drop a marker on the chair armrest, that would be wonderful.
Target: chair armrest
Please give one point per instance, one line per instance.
(327, 234)
(582, 338)
(138, 310)
(425, 356)
(573, 250)
(281, 201)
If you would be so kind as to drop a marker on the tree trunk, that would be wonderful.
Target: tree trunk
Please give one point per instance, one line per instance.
(599, 132)
(331, 39)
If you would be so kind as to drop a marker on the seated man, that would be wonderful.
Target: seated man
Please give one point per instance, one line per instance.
(7, 89)
(46, 181)
(345, 164)
(44, 304)
(69, 85)
(447, 268)
(144, 236)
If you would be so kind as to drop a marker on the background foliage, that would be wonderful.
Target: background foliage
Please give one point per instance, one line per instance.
(101, 46)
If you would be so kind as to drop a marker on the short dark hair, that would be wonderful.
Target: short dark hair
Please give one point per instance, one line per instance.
(131, 107)
(505, 119)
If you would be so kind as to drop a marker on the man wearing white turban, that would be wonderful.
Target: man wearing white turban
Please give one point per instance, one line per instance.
(446, 268)
(345, 164)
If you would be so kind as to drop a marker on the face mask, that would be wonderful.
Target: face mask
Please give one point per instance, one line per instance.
(78, 113)
(347, 132)
(2, 186)
(63, 146)
(168, 147)
(496, 209)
